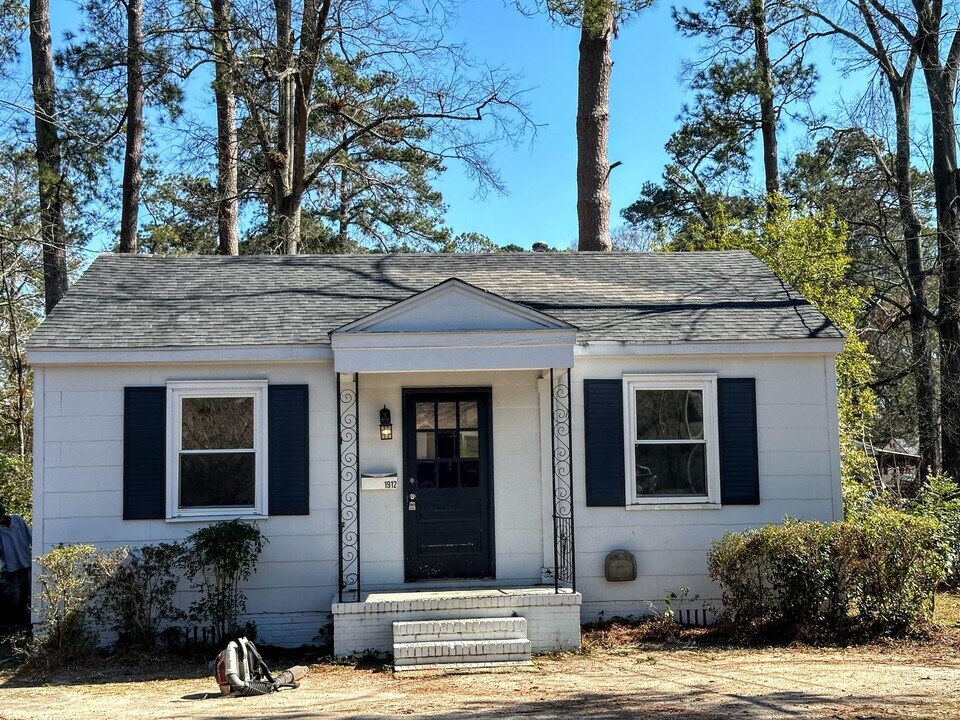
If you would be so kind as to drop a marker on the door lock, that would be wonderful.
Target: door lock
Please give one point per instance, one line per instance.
(411, 501)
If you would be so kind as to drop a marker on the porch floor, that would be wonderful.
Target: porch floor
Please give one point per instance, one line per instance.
(366, 626)
(441, 596)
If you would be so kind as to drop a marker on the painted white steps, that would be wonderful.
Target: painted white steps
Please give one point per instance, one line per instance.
(487, 642)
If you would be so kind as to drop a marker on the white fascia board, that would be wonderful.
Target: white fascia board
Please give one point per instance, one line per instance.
(449, 351)
(165, 355)
(809, 346)
(451, 339)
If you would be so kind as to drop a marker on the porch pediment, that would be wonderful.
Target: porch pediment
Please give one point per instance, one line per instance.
(453, 326)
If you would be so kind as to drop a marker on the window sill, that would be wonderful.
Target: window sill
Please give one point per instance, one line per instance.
(216, 517)
(676, 506)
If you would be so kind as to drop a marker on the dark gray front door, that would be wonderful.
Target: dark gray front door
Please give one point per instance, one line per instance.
(447, 486)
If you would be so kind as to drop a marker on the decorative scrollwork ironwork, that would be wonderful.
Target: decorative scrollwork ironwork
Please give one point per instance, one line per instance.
(348, 503)
(564, 550)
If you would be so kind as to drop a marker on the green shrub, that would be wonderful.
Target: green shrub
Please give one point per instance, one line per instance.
(219, 558)
(939, 500)
(70, 581)
(16, 486)
(871, 576)
(138, 598)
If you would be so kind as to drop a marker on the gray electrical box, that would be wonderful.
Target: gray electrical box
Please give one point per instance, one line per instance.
(620, 566)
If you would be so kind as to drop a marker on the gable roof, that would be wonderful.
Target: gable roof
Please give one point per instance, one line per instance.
(143, 301)
(461, 307)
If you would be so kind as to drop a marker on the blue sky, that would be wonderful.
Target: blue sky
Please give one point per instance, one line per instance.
(646, 96)
(645, 99)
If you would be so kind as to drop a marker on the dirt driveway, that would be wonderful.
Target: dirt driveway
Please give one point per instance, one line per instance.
(862, 683)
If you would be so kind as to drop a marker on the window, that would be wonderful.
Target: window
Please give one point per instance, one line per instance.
(672, 446)
(216, 439)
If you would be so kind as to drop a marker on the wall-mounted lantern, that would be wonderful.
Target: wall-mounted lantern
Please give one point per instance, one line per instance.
(386, 427)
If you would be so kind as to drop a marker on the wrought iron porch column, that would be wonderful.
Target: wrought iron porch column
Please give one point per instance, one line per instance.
(348, 485)
(564, 551)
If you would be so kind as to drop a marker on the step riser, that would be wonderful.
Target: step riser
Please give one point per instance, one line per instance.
(512, 659)
(487, 642)
(460, 651)
(451, 630)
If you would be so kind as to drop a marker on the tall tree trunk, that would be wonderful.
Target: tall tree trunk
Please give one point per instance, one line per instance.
(947, 193)
(51, 184)
(133, 155)
(768, 110)
(288, 203)
(922, 357)
(593, 125)
(343, 219)
(228, 153)
(15, 352)
(941, 82)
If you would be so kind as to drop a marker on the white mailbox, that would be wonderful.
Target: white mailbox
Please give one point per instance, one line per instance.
(379, 481)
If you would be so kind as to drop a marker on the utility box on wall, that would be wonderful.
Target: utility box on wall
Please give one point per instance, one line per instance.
(620, 566)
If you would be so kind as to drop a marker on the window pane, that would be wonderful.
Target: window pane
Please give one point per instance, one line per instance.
(447, 415)
(671, 469)
(426, 475)
(217, 423)
(447, 444)
(470, 444)
(217, 480)
(426, 445)
(447, 474)
(470, 473)
(468, 415)
(669, 414)
(425, 416)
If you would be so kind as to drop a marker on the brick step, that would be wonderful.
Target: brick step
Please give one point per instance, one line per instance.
(506, 628)
(461, 651)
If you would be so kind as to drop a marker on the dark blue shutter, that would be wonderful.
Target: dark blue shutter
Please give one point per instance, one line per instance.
(144, 453)
(288, 450)
(739, 460)
(603, 438)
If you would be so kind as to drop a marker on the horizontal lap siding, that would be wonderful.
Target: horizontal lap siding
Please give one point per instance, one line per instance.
(298, 570)
(798, 477)
(83, 480)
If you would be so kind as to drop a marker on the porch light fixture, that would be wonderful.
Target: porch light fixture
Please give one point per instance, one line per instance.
(386, 427)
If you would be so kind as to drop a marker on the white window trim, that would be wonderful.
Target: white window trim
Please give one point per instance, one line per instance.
(707, 384)
(176, 391)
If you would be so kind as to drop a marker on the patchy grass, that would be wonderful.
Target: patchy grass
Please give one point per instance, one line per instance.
(947, 610)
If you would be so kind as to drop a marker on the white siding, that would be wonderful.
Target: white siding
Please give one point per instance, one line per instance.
(799, 477)
(79, 481)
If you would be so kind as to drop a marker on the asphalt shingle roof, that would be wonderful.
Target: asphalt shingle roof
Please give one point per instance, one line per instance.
(129, 301)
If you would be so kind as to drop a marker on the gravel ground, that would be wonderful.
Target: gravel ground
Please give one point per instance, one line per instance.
(898, 681)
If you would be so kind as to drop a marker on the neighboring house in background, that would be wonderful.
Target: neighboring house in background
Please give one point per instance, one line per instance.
(428, 437)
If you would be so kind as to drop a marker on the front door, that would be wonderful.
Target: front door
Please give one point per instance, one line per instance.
(447, 487)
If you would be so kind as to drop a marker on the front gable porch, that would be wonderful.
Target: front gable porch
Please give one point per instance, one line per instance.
(430, 360)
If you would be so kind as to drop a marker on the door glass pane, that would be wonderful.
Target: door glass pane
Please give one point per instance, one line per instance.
(425, 416)
(669, 414)
(223, 423)
(470, 473)
(671, 469)
(426, 475)
(469, 444)
(468, 415)
(447, 444)
(447, 474)
(426, 445)
(217, 480)
(447, 415)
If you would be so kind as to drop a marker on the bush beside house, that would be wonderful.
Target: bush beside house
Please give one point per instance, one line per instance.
(869, 576)
(132, 591)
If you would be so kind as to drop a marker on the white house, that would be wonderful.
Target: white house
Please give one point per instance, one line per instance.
(427, 438)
